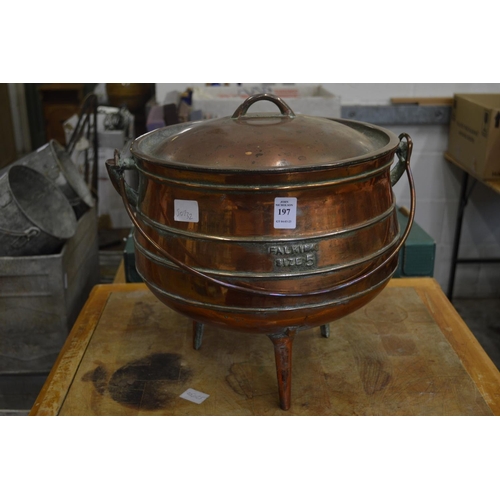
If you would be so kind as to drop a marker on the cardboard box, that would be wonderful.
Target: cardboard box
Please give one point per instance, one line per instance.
(218, 102)
(474, 140)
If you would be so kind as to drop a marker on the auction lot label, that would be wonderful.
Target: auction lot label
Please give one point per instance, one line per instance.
(285, 213)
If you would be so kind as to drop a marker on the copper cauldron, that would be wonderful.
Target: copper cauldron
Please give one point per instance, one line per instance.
(266, 223)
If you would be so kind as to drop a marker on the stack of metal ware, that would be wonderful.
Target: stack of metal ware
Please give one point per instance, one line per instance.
(41, 198)
(48, 259)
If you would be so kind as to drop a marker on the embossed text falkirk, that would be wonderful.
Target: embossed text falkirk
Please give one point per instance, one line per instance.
(294, 255)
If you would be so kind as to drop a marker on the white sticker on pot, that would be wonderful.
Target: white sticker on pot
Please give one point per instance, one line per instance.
(186, 211)
(285, 213)
(194, 396)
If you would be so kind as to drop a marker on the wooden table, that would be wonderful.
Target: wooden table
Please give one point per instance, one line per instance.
(407, 352)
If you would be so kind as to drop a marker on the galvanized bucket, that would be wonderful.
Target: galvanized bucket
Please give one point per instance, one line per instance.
(35, 216)
(55, 163)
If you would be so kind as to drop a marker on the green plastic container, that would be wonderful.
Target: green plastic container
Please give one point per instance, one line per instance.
(416, 258)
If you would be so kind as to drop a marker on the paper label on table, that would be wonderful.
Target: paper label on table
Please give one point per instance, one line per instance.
(285, 213)
(186, 211)
(194, 396)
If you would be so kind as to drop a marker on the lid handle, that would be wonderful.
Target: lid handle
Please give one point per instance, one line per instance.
(283, 107)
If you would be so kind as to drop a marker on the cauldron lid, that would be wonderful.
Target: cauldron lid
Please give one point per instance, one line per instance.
(264, 141)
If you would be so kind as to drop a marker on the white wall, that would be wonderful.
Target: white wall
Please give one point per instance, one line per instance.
(437, 184)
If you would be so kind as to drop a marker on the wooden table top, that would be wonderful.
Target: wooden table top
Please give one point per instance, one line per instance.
(407, 352)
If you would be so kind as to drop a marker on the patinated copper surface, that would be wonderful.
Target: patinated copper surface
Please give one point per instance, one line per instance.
(232, 266)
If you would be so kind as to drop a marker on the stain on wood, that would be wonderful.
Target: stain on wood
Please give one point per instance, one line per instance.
(99, 377)
(145, 383)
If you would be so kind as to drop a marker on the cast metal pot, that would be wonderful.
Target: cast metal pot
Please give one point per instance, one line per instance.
(266, 223)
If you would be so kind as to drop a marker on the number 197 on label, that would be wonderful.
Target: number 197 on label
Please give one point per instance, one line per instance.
(285, 213)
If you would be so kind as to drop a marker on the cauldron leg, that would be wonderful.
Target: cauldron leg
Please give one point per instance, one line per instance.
(325, 331)
(283, 354)
(198, 329)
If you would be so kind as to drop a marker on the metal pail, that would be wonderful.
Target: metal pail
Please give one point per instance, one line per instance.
(54, 162)
(35, 217)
